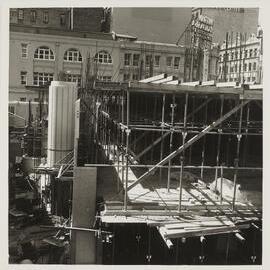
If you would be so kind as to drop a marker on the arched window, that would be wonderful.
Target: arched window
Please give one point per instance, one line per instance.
(73, 55)
(103, 57)
(44, 53)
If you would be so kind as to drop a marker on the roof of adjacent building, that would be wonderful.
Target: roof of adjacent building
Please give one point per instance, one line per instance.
(59, 32)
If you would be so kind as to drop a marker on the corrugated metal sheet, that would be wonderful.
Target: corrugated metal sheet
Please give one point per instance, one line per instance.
(62, 96)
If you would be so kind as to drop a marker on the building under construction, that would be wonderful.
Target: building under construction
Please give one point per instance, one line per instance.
(163, 169)
(158, 172)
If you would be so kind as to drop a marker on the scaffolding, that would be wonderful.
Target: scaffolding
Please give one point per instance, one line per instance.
(185, 134)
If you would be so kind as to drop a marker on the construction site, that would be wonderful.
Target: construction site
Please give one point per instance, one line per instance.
(160, 171)
(168, 166)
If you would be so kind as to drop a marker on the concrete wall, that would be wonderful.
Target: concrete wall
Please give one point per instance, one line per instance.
(151, 24)
(87, 19)
(83, 244)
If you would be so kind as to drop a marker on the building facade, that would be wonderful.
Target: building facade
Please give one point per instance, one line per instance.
(77, 19)
(140, 60)
(241, 60)
(38, 56)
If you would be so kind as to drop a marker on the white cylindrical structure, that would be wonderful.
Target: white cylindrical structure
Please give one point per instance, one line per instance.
(62, 96)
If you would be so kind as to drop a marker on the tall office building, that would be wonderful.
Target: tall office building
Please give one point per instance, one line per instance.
(243, 20)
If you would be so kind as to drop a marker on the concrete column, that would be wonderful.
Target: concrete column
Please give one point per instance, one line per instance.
(83, 244)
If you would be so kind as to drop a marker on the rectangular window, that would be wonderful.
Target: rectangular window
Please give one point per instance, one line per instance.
(245, 67)
(255, 52)
(176, 62)
(253, 79)
(250, 53)
(136, 58)
(23, 77)
(235, 67)
(33, 16)
(248, 79)
(232, 55)
(231, 69)
(44, 53)
(126, 77)
(236, 55)
(46, 17)
(24, 48)
(20, 14)
(169, 61)
(74, 78)
(62, 19)
(148, 60)
(254, 66)
(42, 78)
(36, 99)
(249, 67)
(157, 60)
(23, 99)
(127, 59)
(246, 53)
(73, 55)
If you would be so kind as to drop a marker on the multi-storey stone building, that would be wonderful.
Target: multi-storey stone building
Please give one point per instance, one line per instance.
(241, 61)
(38, 56)
(145, 59)
(73, 44)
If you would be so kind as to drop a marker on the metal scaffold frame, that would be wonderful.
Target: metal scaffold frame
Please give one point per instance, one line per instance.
(120, 118)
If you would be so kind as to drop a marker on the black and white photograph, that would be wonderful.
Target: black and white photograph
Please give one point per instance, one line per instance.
(135, 135)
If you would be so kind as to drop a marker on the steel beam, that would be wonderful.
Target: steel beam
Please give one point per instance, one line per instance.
(173, 105)
(237, 157)
(187, 144)
(162, 142)
(199, 107)
(154, 78)
(168, 79)
(151, 145)
(127, 146)
(138, 139)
